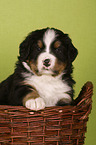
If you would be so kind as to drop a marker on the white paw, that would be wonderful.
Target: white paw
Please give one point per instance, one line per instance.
(35, 104)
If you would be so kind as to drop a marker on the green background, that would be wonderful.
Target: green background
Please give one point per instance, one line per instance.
(75, 17)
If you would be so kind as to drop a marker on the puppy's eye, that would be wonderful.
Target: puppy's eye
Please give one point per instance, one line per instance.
(57, 44)
(40, 44)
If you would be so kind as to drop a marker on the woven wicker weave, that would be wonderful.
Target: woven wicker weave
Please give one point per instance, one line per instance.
(51, 126)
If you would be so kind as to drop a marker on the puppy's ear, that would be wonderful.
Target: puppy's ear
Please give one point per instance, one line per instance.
(72, 51)
(24, 50)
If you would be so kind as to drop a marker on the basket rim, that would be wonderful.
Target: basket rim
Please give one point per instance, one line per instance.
(84, 100)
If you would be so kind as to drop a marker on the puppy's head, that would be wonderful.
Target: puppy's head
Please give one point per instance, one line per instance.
(47, 51)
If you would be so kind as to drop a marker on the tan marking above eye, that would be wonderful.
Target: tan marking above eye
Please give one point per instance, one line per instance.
(40, 44)
(57, 44)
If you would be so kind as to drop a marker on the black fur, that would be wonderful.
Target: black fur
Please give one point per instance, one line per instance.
(12, 90)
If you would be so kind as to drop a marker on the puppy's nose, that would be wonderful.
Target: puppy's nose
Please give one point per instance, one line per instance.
(46, 62)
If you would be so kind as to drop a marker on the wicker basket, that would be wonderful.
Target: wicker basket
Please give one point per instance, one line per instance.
(51, 126)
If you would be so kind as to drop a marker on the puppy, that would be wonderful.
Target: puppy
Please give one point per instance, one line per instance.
(42, 76)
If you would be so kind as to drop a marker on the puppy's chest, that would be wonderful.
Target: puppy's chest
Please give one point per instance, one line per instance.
(51, 89)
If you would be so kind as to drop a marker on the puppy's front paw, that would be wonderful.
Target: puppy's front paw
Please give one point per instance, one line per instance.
(35, 104)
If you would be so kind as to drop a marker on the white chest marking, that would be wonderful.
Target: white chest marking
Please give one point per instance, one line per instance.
(51, 89)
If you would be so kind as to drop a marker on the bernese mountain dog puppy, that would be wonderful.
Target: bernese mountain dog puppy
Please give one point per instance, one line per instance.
(43, 73)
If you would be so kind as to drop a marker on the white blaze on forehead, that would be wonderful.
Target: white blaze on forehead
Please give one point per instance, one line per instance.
(48, 38)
